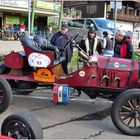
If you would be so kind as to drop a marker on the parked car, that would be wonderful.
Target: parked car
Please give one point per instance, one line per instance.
(82, 26)
(105, 24)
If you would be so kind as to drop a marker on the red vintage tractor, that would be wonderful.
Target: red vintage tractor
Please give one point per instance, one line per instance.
(112, 78)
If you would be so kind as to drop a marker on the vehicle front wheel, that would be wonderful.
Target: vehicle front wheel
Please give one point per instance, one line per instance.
(5, 95)
(22, 126)
(125, 112)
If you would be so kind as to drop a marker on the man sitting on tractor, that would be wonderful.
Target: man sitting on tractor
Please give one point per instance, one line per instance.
(60, 39)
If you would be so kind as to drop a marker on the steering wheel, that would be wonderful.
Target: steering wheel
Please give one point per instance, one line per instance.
(82, 52)
(71, 40)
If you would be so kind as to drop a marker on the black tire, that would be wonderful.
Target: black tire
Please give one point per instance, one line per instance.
(5, 95)
(2, 68)
(125, 112)
(22, 126)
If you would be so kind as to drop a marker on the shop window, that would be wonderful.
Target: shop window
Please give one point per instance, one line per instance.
(91, 9)
(123, 10)
(138, 13)
(10, 20)
(131, 11)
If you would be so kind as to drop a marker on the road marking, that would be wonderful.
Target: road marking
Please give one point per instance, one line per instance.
(50, 98)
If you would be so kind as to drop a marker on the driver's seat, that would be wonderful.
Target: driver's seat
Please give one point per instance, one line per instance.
(32, 46)
(40, 41)
(45, 46)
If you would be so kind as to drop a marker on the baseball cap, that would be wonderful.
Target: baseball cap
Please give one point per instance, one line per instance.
(64, 25)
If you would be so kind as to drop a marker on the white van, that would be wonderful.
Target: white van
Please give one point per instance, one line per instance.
(82, 26)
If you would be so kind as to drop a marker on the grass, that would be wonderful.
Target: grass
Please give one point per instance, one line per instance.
(136, 55)
(74, 64)
(74, 60)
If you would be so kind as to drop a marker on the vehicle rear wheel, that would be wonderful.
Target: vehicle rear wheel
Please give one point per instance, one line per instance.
(2, 68)
(5, 95)
(125, 112)
(22, 126)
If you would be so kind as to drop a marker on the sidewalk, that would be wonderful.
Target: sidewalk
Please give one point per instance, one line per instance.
(7, 46)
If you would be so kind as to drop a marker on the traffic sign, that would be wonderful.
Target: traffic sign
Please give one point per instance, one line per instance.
(114, 4)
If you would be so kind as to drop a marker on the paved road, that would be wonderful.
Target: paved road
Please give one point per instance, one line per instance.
(82, 118)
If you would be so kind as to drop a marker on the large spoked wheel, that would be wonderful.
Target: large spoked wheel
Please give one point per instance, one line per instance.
(5, 95)
(22, 126)
(125, 112)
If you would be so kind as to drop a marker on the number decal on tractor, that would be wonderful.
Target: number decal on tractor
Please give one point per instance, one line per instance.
(38, 60)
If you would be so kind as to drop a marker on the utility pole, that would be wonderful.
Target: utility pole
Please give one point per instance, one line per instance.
(60, 14)
(29, 17)
(115, 4)
(33, 15)
(115, 17)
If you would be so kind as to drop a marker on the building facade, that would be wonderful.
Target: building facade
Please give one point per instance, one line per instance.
(16, 12)
(128, 17)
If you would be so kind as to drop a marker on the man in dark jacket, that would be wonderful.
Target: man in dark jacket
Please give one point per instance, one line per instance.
(123, 47)
(60, 39)
(91, 43)
(107, 42)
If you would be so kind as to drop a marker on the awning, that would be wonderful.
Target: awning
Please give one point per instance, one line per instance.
(38, 12)
(44, 13)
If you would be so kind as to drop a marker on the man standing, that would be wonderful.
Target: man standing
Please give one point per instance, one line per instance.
(107, 42)
(123, 47)
(91, 43)
(60, 39)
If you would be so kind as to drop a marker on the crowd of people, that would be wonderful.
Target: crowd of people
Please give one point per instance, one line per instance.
(12, 32)
(91, 43)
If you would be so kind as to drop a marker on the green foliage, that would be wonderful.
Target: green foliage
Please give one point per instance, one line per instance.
(78, 12)
(75, 59)
(54, 26)
(136, 55)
